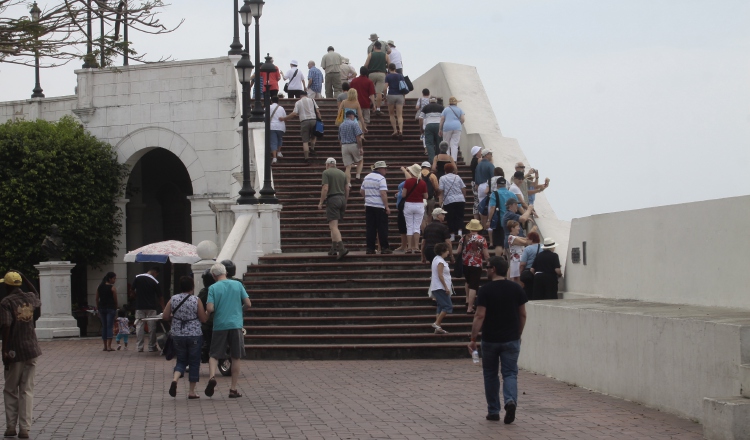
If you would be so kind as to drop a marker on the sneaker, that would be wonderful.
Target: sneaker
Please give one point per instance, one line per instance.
(435, 326)
(119, 347)
(386, 252)
(493, 417)
(440, 331)
(510, 413)
(274, 160)
(421, 138)
(279, 154)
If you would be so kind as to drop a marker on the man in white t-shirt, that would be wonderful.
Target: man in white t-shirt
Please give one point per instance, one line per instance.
(375, 192)
(308, 113)
(515, 188)
(295, 80)
(395, 57)
(278, 127)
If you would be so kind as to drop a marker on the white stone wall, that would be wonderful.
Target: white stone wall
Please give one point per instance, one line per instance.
(50, 109)
(692, 253)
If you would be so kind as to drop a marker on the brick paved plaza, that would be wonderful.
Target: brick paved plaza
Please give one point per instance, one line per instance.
(82, 392)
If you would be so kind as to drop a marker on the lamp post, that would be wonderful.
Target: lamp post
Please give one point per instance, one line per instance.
(256, 10)
(36, 13)
(88, 62)
(236, 47)
(245, 71)
(267, 194)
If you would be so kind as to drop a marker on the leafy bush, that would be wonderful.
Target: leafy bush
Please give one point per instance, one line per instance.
(57, 173)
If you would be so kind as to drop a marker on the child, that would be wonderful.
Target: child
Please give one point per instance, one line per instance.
(123, 325)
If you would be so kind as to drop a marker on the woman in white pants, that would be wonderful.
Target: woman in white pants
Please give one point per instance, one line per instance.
(450, 126)
(412, 196)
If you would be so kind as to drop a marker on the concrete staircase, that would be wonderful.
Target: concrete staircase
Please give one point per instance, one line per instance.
(308, 305)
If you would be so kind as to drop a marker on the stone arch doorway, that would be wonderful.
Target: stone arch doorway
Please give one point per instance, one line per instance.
(159, 209)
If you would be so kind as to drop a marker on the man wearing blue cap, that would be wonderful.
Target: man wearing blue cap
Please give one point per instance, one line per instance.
(350, 135)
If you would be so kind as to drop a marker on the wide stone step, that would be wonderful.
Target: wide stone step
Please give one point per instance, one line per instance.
(435, 350)
(312, 303)
(339, 282)
(428, 336)
(423, 318)
(451, 327)
(338, 293)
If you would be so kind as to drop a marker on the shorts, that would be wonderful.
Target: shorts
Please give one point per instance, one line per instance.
(350, 154)
(378, 78)
(443, 300)
(472, 275)
(395, 99)
(306, 129)
(335, 207)
(223, 338)
(366, 114)
(294, 93)
(122, 336)
(277, 139)
(498, 237)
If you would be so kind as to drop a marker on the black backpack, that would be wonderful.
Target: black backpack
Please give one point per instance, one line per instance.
(430, 188)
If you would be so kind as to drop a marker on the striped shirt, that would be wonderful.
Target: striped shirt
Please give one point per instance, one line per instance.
(315, 76)
(372, 184)
(348, 131)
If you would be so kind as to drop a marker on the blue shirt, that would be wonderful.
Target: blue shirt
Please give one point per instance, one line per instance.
(227, 296)
(452, 114)
(484, 172)
(316, 79)
(398, 194)
(503, 195)
(393, 80)
(529, 254)
(348, 131)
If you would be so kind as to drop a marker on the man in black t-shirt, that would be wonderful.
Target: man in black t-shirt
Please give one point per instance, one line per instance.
(147, 296)
(501, 315)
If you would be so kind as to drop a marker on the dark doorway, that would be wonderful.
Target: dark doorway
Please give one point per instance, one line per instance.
(158, 187)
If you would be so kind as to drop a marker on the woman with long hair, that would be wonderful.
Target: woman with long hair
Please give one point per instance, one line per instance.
(106, 302)
(186, 312)
(352, 102)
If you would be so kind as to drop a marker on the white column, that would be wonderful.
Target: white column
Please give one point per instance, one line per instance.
(56, 320)
(203, 219)
(224, 218)
(256, 232)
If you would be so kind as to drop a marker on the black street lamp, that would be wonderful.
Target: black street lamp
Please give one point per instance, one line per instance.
(35, 15)
(236, 47)
(88, 60)
(255, 8)
(267, 194)
(245, 71)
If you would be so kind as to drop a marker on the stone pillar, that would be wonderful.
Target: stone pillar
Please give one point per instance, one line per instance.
(203, 219)
(56, 320)
(207, 251)
(222, 208)
(256, 232)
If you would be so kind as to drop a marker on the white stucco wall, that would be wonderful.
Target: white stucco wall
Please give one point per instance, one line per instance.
(664, 356)
(693, 253)
(481, 128)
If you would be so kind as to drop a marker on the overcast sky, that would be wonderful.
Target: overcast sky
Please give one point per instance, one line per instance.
(623, 104)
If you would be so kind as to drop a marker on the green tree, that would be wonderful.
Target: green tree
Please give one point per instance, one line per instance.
(57, 173)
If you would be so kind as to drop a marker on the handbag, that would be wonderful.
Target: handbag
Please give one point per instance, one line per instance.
(495, 218)
(408, 83)
(484, 206)
(408, 193)
(169, 351)
(403, 88)
(319, 129)
(340, 116)
(286, 86)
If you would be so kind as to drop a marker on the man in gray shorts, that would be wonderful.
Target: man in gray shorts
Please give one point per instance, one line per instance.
(350, 135)
(334, 193)
(227, 299)
(308, 113)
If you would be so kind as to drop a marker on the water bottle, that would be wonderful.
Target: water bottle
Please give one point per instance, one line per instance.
(475, 357)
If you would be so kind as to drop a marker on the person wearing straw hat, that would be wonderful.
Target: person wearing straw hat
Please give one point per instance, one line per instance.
(450, 125)
(348, 72)
(374, 39)
(414, 193)
(473, 251)
(546, 269)
(375, 191)
(20, 352)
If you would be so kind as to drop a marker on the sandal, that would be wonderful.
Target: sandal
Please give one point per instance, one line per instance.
(440, 331)
(210, 387)
(233, 394)
(193, 396)
(173, 388)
